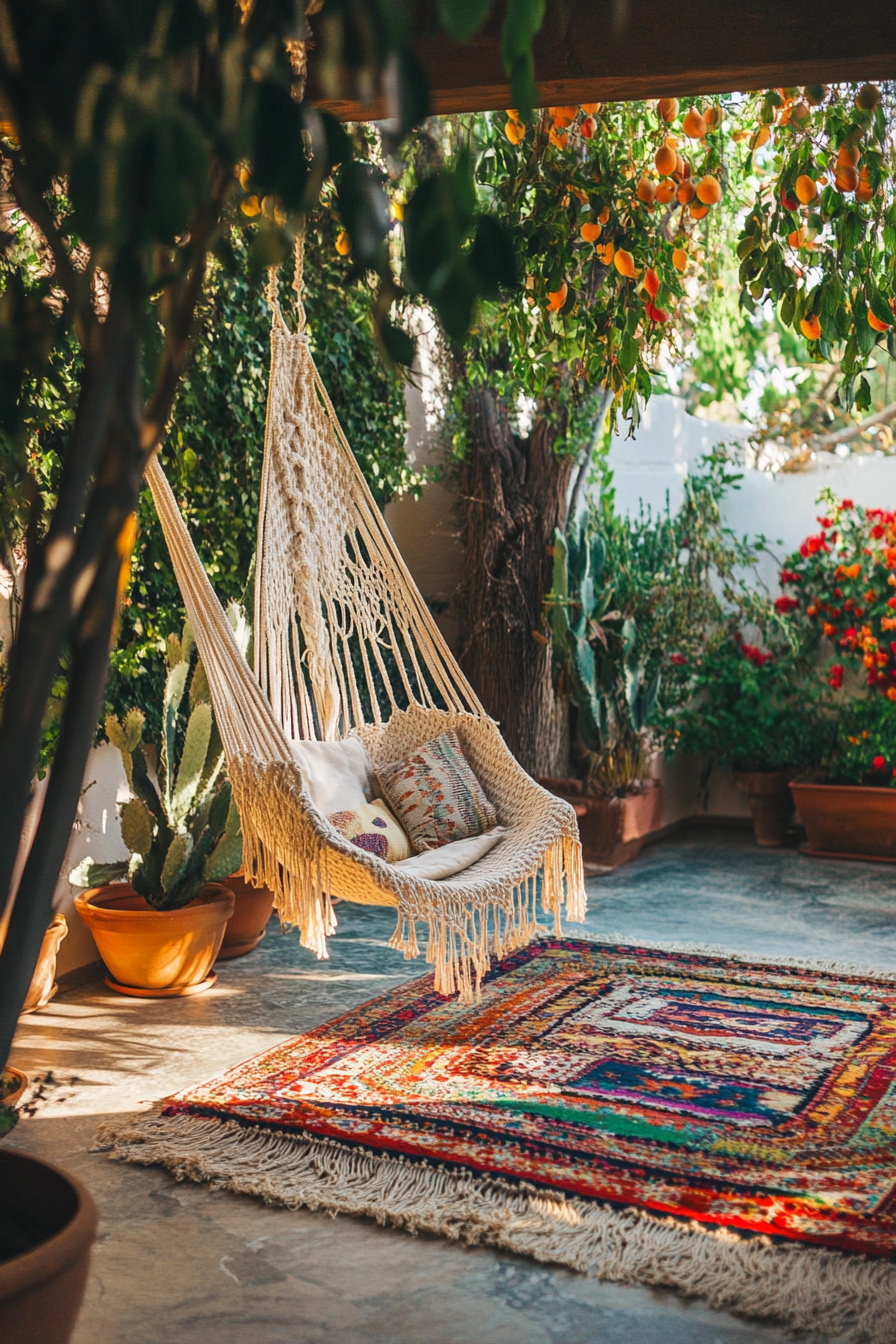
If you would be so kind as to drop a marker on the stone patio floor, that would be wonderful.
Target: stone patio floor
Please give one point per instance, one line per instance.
(179, 1263)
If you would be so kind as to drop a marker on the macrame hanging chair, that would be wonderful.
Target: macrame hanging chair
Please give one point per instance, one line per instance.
(345, 644)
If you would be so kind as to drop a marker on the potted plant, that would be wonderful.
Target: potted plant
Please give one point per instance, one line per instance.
(598, 665)
(841, 585)
(159, 935)
(753, 713)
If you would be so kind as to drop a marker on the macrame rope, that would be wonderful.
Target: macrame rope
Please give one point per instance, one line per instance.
(345, 644)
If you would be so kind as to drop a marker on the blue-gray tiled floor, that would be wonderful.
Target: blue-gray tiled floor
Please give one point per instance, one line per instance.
(178, 1263)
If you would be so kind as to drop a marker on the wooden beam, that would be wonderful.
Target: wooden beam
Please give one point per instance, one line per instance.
(654, 50)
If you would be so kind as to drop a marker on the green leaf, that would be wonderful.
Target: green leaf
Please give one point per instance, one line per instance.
(175, 865)
(863, 395)
(192, 761)
(90, 874)
(462, 19)
(224, 859)
(136, 826)
(521, 23)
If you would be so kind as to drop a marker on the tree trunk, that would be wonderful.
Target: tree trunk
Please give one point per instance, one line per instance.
(514, 494)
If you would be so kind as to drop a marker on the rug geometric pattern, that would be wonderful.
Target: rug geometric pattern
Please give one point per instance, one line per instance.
(757, 1097)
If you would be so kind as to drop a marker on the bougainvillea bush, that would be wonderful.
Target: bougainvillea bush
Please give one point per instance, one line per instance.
(842, 584)
(840, 589)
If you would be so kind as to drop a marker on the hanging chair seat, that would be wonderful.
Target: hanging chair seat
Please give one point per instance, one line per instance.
(345, 644)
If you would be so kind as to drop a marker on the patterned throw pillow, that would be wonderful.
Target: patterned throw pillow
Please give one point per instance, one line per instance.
(373, 827)
(435, 794)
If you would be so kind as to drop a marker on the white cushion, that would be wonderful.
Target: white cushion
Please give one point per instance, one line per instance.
(336, 774)
(453, 857)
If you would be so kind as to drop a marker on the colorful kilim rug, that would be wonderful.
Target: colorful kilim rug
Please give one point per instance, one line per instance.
(756, 1097)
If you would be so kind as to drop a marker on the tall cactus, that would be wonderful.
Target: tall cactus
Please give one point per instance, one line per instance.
(185, 832)
(596, 653)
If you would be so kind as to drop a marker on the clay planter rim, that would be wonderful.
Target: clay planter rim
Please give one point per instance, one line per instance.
(52, 1256)
(103, 906)
(864, 789)
(13, 1098)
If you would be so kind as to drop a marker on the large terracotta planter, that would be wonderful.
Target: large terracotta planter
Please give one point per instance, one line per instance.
(847, 821)
(612, 830)
(41, 1287)
(771, 804)
(246, 926)
(156, 953)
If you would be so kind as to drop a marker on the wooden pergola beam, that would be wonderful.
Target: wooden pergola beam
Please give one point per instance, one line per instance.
(609, 50)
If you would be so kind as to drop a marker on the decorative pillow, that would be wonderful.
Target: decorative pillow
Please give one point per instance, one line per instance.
(453, 857)
(435, 794)
(373, 827)
(336, 774)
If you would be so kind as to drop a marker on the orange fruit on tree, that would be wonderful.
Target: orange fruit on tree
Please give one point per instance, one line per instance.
(665, 160)
(563, 116)
(557, 298)
(646, 191)
(712, 115)
(590, 232)
(868, 97)
(604, 214)
(515, 132)
(590, 109)
(251, 206)
(810, 327)
(679, 259)
(625, 263)
(848, 156)
(343, 243)
(864, 191)
(694, 124)
(686, 191)
(709, 190)
(875, 322)
(806, 189)
(846, 179)
(559, 139)
(699, 211)
(651, 282)
(665, 192)
(589, 126)
(798, 237)
(668, 109)
(760, 137)
(605, 252)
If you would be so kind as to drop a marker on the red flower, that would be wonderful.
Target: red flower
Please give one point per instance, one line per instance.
(846, 504)
(788, 576)
(787, 604)
(678, 659)
(878, 763)
(655, 314)
(835, 676)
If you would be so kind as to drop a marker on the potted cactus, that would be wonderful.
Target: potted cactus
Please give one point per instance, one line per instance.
(598, 666)
(159, 933)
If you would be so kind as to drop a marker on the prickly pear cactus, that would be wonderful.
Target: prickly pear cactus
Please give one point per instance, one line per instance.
(184, 832)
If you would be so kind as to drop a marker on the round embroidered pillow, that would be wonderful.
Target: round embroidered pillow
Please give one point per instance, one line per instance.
(374, 828)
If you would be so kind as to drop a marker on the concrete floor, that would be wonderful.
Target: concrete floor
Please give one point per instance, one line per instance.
(180, 1263)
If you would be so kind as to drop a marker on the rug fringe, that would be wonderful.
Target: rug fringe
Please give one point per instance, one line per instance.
(806, 1288)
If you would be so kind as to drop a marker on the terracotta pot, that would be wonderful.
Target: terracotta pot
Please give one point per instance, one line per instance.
(844, 820)
(156, 953)
(246, 926)
(771, 804)
(612, 830)
(43, 982)
(41, 1288)
(12, 1086)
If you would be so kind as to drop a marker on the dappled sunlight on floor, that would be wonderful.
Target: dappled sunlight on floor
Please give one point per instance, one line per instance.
(178, 1262)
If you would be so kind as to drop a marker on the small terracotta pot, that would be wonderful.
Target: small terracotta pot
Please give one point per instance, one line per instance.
(848, 821)
(246, 926)
(43, 982)
(156, 952)
(612, 830)
(16, 1082)
(771, 804)
(41, 1289)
